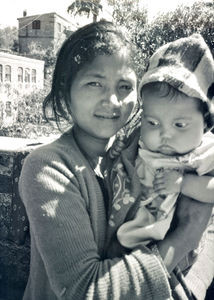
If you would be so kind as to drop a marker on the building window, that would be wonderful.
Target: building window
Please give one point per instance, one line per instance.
(33, 75)
(27, 75)
(8, 73)
(1, 73)
(36, 24)
(20, 74)
(8, 109)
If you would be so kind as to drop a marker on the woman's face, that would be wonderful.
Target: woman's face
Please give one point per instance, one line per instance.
(103, 95)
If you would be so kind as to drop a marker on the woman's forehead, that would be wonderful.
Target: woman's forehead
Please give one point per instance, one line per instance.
(114, 64)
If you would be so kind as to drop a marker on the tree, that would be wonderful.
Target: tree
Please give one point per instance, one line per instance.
(166, 27)
(183, 21)
(48, 54)
(9, 38)
(27, 114)
(126, 14)
(78, 7)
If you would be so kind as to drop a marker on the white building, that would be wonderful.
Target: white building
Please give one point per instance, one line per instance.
(18, 75)
(21, 72)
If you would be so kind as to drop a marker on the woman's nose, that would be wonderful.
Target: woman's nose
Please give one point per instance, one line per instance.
(111, 97)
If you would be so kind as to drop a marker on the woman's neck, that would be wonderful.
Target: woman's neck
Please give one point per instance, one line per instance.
(93, 148)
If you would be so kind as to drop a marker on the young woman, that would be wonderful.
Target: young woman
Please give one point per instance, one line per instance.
(62, 186)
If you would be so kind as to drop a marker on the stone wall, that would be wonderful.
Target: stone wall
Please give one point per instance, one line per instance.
(14, 226)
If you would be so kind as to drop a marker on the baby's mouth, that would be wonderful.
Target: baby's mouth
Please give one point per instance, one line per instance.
(166, 149)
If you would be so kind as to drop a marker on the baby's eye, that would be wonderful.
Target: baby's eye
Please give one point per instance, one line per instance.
(180, 124)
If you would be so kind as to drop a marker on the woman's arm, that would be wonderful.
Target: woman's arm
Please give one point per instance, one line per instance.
(192, 218)
(200, 188)
(201, 273)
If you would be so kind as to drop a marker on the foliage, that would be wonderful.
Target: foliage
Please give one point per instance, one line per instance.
(166, 27)
(28, 120)
(47, 54)
(127, 13)
(28, 130)
(182, 22)
(78, 7)
(30, 108)
(9, 38)
(128, 16)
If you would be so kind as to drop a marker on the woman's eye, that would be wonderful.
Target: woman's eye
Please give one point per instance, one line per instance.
(94, 84)
(180, 124)
(153, 122)
(125, 88)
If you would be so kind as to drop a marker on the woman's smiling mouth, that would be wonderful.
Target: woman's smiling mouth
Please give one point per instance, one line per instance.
(108, 116)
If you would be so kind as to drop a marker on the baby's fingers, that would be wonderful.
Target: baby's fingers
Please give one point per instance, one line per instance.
(159, 188)
(158, 180)
(159, 173)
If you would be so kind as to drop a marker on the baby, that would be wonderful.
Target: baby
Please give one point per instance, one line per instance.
(174, 149)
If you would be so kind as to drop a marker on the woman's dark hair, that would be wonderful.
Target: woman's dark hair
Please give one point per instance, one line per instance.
(81, 48)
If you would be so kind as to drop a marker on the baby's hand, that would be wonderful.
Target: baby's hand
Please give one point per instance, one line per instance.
(167, 181)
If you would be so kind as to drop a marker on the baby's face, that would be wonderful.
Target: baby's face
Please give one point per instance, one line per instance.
(171, 126)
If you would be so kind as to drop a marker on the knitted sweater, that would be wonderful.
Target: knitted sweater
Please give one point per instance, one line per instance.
(68, 225)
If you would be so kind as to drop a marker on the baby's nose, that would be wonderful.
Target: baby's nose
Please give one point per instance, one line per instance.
(166, 133)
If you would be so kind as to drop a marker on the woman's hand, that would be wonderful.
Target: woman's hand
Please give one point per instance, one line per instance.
(191, 219)
(193, 215)
(202, 160)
